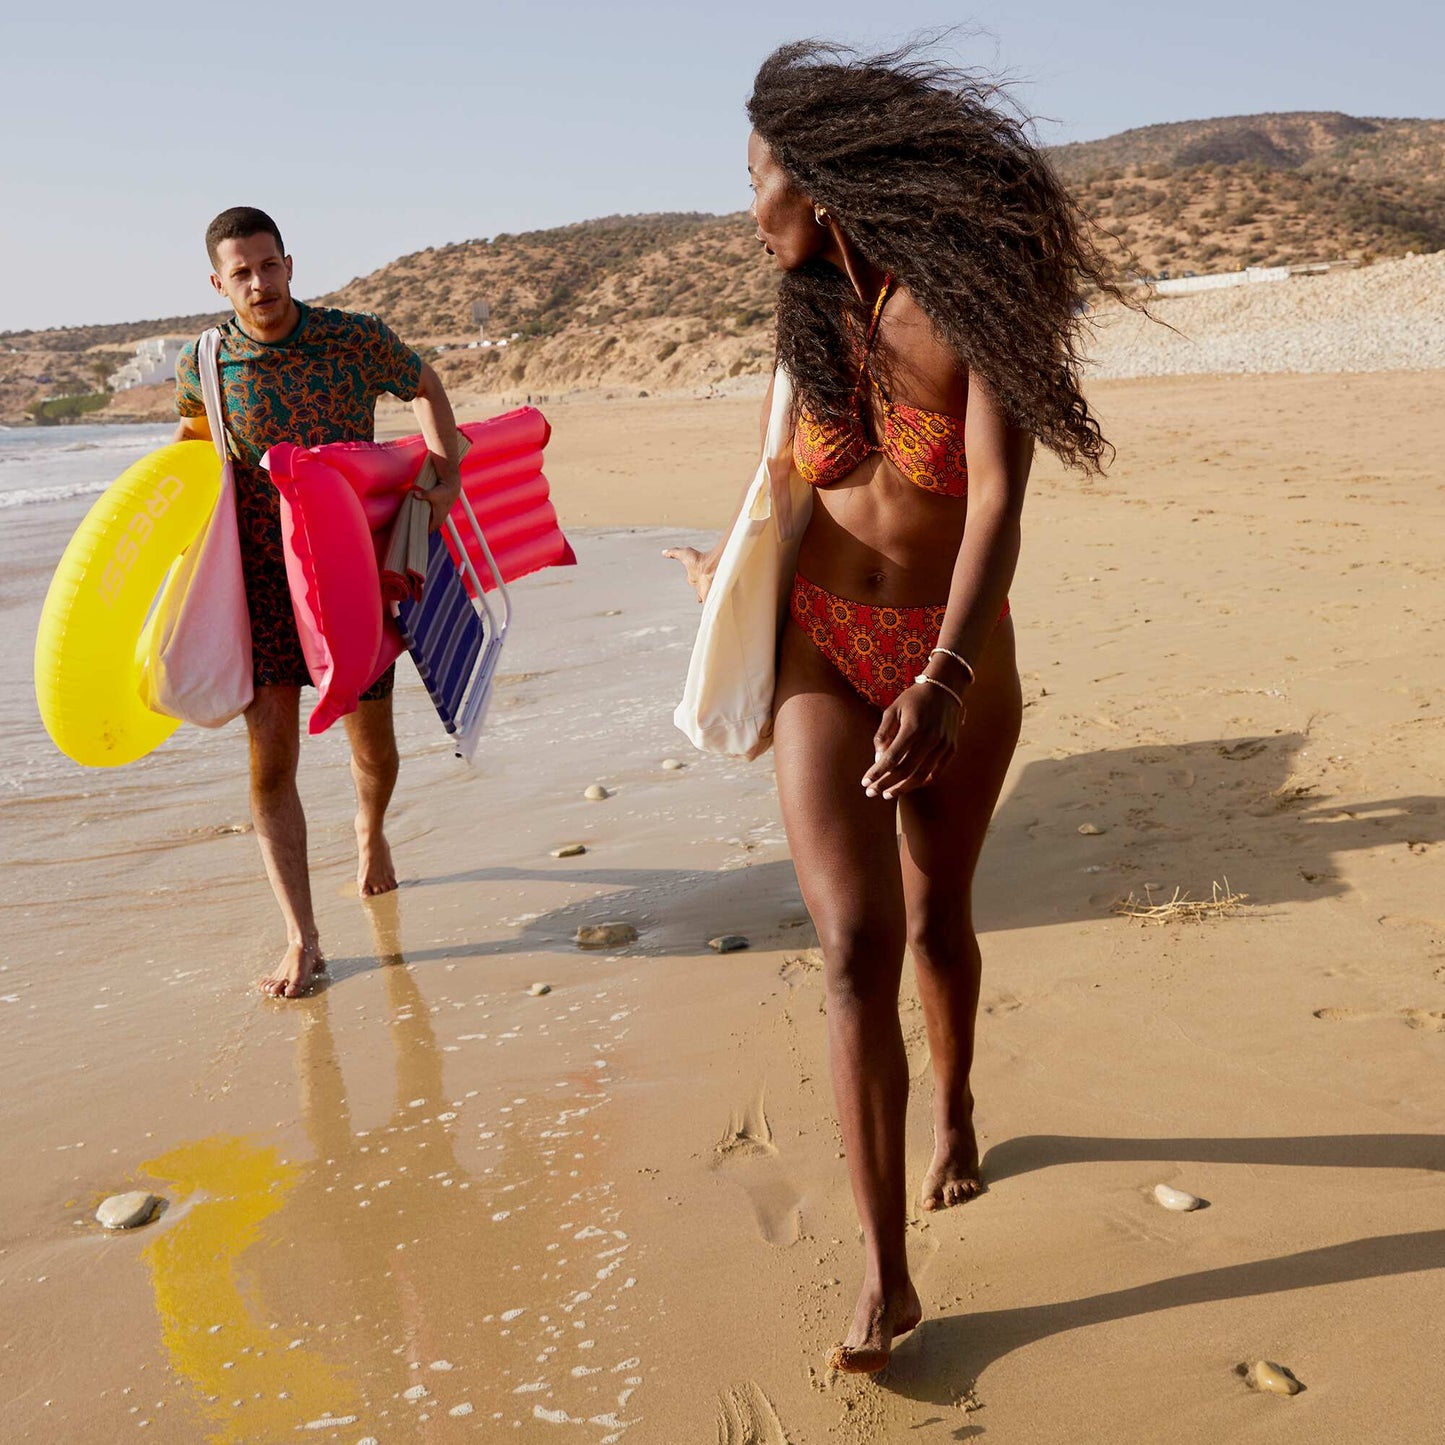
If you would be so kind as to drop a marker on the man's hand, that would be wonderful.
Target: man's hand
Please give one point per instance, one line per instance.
(439, 428)
(441, 499)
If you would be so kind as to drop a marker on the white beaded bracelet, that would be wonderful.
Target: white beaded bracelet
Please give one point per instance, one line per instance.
(963, 662)
(924, 677)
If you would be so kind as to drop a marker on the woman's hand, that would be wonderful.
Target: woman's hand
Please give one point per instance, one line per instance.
(699, 567)
(915, 741)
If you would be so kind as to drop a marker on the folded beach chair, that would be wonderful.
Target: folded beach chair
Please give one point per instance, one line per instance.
(453, 632)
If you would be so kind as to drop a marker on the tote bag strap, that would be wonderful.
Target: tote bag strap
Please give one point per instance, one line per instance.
(777, 497)
(208, 365)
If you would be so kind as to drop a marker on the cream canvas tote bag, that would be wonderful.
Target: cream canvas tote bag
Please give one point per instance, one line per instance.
(727, 701)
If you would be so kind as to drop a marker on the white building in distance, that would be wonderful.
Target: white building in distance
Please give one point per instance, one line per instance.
(154, 361)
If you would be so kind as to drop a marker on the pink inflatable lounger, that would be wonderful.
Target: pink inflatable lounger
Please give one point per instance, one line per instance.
(338, 503)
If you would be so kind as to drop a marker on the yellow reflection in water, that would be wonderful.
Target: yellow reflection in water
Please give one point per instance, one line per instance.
(194, 1272)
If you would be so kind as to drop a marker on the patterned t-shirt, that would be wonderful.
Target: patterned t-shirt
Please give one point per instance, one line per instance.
(318, 385)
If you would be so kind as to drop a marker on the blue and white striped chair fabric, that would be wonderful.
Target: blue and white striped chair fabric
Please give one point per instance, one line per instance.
(456, 642)
(444, 634)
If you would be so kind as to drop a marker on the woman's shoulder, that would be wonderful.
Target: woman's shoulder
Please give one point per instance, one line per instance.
(924, 370)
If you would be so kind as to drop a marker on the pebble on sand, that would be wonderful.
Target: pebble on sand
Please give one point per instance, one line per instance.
(1090, 830)
(596, 793)
(537, 990)
(1176, 1199)
(605, 935)
(127, 1211)
(727, 943)
(673, 765)
(569, 850)
(1270, 1378)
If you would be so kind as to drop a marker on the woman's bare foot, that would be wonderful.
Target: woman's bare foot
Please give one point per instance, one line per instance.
(375, 872)
(953, 1176)
(879, 1319)
(296, 972)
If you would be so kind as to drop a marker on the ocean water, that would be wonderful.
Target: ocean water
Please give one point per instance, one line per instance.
(43, 465)
(49, 479)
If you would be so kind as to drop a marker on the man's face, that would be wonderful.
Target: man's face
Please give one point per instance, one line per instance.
(255, 278)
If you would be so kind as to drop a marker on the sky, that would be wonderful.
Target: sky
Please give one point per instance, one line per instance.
(126, 128)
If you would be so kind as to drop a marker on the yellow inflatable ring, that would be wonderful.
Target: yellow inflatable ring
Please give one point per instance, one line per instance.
(86, 672)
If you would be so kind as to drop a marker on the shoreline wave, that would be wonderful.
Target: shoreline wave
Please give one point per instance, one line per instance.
(30, 496)
(55, 465)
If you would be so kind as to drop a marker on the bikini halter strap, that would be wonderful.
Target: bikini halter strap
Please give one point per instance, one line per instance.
(873, 325)
(878, 311)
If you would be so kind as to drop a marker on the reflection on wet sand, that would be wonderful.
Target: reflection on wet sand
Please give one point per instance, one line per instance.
(436, 1267)
(253, 1385)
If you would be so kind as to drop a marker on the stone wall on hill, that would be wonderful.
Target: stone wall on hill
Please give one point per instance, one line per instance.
(1385, 317)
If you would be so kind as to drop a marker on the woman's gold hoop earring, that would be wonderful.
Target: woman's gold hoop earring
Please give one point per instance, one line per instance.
(820, 215)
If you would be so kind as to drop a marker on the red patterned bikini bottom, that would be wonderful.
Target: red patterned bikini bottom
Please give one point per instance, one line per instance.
(880, 650)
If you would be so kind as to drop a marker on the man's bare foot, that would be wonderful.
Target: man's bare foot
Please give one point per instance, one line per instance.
(297, 971)
(879, 1319)
(375, 872)
(953, 1177)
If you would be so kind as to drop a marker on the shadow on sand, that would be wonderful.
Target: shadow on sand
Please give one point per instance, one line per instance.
(1031, 1152)
(950, 1352)
(1183, 815)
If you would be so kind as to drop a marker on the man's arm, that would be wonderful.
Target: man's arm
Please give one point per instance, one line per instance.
(190, 407)
(439, 429)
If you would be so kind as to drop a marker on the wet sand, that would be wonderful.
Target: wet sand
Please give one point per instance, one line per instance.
(427, 1205)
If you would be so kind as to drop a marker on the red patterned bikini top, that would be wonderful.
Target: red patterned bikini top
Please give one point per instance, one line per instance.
(925, 446)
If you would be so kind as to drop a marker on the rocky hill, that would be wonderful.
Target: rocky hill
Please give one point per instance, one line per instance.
(668, 300)
(679, 300)
(1265, 190)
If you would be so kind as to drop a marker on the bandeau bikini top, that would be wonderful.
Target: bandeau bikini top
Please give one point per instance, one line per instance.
(925, 446)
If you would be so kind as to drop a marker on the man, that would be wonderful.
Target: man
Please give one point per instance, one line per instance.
(308, 375)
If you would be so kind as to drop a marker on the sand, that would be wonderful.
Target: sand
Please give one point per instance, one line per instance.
(426, 1204)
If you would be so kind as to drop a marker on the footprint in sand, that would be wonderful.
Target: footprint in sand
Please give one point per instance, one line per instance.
(1005, 1003)
(1434, 926)
(746, 1417)
(922, 1248)
(1431, 1020)
(1243, 750)
(746, 1150)
(801, 969)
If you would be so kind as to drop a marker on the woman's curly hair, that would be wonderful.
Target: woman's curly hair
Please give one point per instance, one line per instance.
(934, 178)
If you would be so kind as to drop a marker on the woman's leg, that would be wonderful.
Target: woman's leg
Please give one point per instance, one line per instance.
(943, 831)
(845, 849)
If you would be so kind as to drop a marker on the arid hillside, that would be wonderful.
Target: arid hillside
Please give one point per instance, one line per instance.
(665, 301)
(1263, 190)
(610, 272)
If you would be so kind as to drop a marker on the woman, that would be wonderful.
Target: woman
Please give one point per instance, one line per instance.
(928, 316)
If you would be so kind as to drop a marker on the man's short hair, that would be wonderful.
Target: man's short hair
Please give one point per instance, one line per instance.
(236, 224)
